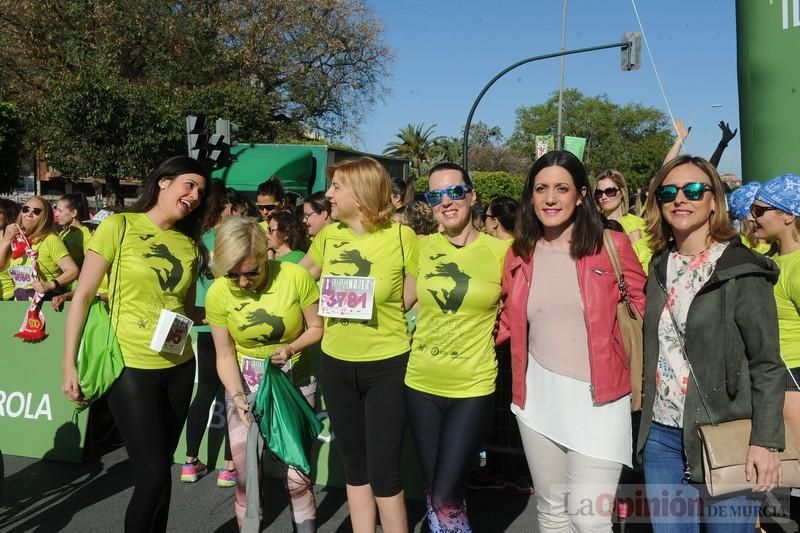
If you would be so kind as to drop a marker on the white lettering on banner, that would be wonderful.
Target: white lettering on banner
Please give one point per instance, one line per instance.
(216, 413)
(16, 404)
(795, 13)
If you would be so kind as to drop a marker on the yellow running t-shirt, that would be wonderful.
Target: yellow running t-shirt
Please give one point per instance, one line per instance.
(787, 298)
(385, 254)
(157, 268)
(77, 242)
(458, 289)
(51, 250)
(631, 223)
(258, 323)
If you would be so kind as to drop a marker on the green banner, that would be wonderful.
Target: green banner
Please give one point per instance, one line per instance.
(768, 40)
(36, 420)
(576, 145)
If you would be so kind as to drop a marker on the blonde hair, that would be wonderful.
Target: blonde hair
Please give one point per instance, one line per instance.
(46, 224)
(619, 180)
(370, 185)
(719, 224)
(237, 239)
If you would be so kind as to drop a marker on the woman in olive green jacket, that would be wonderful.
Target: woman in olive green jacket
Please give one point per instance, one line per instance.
(709, 300)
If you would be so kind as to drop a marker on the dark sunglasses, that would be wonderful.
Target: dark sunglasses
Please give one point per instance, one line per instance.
(266, 207)
(759, 210)
(249, 275)
(611, 192)
(454, 192)
(36, 210)
(692, 191)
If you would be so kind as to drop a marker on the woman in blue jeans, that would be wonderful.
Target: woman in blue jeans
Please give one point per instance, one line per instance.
(710, 353)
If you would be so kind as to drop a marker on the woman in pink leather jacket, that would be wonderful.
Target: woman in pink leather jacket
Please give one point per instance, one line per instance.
(571, 385)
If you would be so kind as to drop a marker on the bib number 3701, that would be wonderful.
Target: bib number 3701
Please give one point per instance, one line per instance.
(347, 297)
(171, 333)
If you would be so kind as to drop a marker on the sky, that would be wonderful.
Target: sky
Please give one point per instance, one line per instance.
(447, 50)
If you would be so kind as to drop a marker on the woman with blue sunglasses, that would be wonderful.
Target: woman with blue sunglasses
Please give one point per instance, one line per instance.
(450, 381)
(710, 351)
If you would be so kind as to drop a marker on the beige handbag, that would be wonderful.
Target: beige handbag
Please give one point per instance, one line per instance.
(630, 327)
(724, 446)
(724, 452)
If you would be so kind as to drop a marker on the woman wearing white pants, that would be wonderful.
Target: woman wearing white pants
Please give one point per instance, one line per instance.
(570, 381)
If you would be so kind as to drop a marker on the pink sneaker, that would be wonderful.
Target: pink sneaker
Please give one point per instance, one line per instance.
(191, 472)
(226, 478)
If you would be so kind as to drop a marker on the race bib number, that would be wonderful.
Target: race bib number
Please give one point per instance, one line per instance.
(252, 371)
(171, 333)
(22, 275)
(347, 297)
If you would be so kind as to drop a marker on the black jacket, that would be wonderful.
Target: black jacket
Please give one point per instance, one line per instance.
(732, 344)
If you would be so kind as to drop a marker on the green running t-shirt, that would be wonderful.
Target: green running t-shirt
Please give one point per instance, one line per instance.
(458, 289)
(258, 323)
(787, 298)
(387, 255)
(157, 268)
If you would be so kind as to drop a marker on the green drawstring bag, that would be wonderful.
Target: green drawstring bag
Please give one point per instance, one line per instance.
(100, 359)
(287, 422)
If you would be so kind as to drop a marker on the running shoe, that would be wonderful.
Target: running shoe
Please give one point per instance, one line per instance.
(191, 472)
(226, 478)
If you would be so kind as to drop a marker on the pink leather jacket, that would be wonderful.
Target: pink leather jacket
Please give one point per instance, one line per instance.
(598, 285)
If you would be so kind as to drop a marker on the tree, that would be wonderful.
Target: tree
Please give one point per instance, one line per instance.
(630, 138)
(417, 143)
(10, 146)
(276, 67)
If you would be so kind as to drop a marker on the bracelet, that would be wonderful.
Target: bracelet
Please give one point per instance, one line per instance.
(56, 283)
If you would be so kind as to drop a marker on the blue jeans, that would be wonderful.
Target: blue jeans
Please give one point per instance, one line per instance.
(678, 506)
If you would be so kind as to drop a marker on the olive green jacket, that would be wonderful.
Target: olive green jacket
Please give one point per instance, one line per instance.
(732, 344)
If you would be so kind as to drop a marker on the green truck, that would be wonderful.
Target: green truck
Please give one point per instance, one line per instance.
(301, 167)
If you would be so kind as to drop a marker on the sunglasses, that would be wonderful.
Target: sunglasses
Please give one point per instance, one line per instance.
(692, 191)
(611, 192)
(249, 275)
(759, 210)
(266, 207)
(454, 192)
(36, 210)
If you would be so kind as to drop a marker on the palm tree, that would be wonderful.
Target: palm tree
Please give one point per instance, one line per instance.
(415, 142)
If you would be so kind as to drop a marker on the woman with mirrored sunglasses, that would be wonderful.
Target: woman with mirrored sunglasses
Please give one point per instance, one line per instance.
(56, 269)
(776, 211)
(365, 354)
(611, 195)
(261, 312)
(570, 379)
(450, 381)
(710, 349)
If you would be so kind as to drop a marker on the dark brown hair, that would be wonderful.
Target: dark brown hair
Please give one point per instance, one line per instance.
(587, 233)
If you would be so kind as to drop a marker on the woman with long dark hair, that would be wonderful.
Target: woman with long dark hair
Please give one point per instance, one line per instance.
(160, 255)
(571, 385)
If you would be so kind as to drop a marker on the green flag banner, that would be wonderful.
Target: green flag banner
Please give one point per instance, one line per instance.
(576, 145)
(768, 38)
(544, 144)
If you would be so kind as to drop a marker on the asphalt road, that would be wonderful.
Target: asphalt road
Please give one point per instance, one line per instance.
(45, 496)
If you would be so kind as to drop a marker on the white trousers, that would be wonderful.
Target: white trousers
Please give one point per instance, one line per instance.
(574, 492)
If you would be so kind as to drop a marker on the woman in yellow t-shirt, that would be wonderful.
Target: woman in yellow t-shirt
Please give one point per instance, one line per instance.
(159, 255)
(611, 195)
(56, 269)
(71, 209)
(450, 381)
(257, 310)
(364, 359)
(776, 211)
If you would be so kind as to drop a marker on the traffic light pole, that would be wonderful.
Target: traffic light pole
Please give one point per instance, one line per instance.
(624, 45)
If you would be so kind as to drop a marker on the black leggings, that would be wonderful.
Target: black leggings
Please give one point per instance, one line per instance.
(208, 386)
(448, 433)
(149, 408)
(368, 418)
